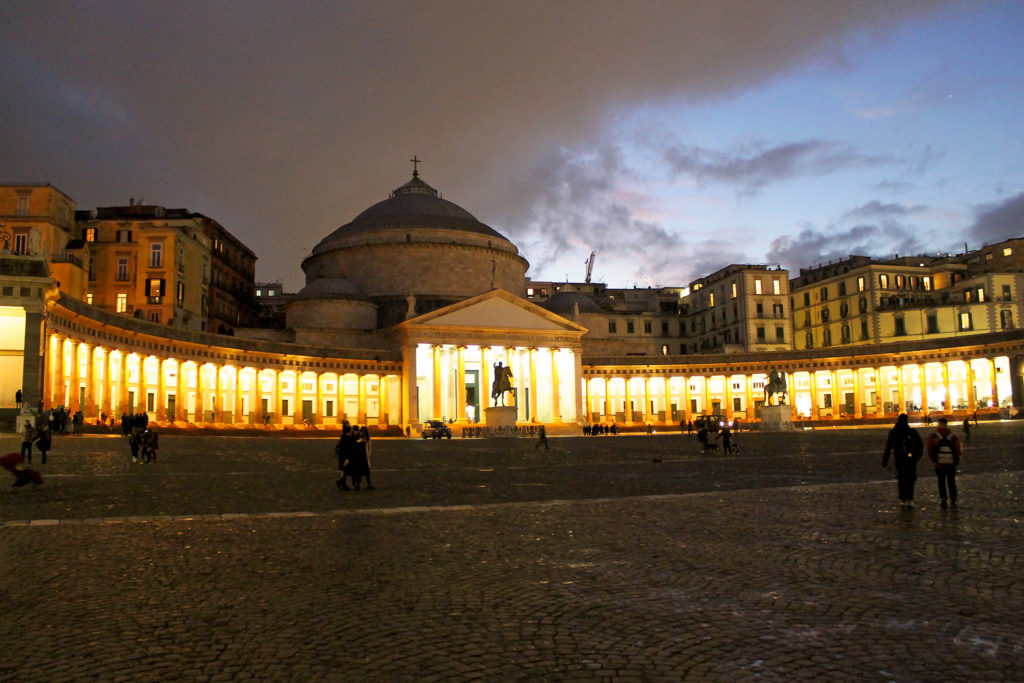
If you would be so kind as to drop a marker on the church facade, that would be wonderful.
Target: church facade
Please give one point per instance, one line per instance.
(410, 313)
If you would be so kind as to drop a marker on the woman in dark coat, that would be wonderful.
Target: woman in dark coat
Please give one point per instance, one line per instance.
(343, 449)
(359, 463)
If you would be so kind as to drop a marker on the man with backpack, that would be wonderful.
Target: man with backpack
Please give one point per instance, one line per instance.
(944, 450)
(904, 445)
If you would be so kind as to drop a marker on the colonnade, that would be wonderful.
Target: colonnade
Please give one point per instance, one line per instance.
(666, 395)
(99, 380)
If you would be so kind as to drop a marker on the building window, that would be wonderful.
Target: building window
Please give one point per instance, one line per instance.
(711, 299)
(780, 333)
(860, 284)
(88, 299)
(122, 269)
(734, 290)
(156, 255)
(204, 306)
(864, 329)
(90, 234)
(776, 287)
(807, 318)
(826, 337)
(778, 311)
(23, 206)
(181, 259)
(757, 285)
(965, 321)
(845, 331)
(981, 294)
(883, 281)
(842, 289)
(807, 298)
(844, 310)
(760, 333)
(154, 316)
(900, 327)
(1006, 292)
(124, 235)
(122, 303)
(612, 327)
(1005, 320)
(927, 282)
(647, 327)
(664, 328)
(862, 305)
(180, 294)
(899, 282)
(824, 293)
(664, 349)
(760, 309)
(630, 329)
(933, 323)
(21, 243)
(1008, 251)
(809, 340)
(824, 315)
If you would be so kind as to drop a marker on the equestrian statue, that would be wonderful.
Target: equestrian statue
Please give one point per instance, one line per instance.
(776, 385)
(502, 383)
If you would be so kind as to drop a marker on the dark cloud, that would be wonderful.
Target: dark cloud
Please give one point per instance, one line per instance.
(878, 210)
(756, 166)
(284, 120)
(996, 222)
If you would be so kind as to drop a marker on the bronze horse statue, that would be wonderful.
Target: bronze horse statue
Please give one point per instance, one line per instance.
(502, 383)
(776, 385)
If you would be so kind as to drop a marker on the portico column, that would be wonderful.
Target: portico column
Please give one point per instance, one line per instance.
(362, 399)
(992, 377)
(607, 400)
(382, 401)
(237, 416)
(945, 384)
(409, 399)
(485, 383)
(318, 410)
(460, 384)
(901, 397)
(728, 398)
(161, 390)
(687, 412)
(89, 409)
(218, 393)
(125, 407)
(180, 394)
(532, 356)
(833, 381)
(342, 415)
(556, 406)
(923, 378)
(514, 400)
(647, 399)
(879, 398)
(577, 366)
(297, 397)
(857, 412)
(749, 412)
(278, 398)
(589, 399)
(256, 392)
(971, 401)
(436, 383)
(74, 405)
(814, 396)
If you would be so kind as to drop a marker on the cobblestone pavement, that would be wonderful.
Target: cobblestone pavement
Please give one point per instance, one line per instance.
(609, 558)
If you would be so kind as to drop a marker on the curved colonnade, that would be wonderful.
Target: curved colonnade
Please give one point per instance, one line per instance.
(102, 363)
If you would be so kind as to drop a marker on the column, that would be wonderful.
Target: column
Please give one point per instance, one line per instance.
(410, 406)
(607, 401)
(992, 377)
(278, 398)
(945, 385)
(318, 408)
(382, 401)
(485, 383)
(514, 399)
(923, 378)
(236, 412)
(341, 392)
(256, 394)
(727, 399)
(815, 414)
(971, 400)
(74, 405)
(901, 396)
(161, 390)
(687, 413)
(140, 399)
(589, 400)
(125, 408)
(436, 383)
(460, 385)
(749, 379)
(577, 364)
(647, 400)
(836, 393)
(1016, 382)
(556, 405)
(49, 372)
(89, 409)
(107, 384)
(879, 398)
(180, 394)
(532, 356)
(297, 397)
(218, 394)
(857, 412)
(362, 399)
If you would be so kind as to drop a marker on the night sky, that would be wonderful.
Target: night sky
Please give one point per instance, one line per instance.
(672, 138)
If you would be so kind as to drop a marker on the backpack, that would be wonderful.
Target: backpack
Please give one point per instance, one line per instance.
(943, 450)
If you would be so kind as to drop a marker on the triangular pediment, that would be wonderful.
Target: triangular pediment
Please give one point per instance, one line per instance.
(497, 309)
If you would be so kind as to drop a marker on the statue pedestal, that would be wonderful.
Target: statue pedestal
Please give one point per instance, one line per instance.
(776, 419)
(500, 416)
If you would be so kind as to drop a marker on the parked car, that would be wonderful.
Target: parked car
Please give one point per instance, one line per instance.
(436, 429)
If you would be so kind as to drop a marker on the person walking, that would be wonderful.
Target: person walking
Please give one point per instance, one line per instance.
(359, 463)
(18, 397)
(944, 449)
(542, 439)
(44, 441)
(726, 437)
(343, 449)
(905, 447)
(967, 429)
(28, 435)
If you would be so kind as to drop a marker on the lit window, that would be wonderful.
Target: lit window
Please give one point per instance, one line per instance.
(259, 292)
(883, 281)
(757, 285)
(965, 321)
(981, 294)
(88, 298)
(927, 283)
(734, 290)
(712, 299)
(860, 284)
(664, 350)
(1008, 251)
(122, 303)
(270, 292)
(90, 234)
(776, 287)
(122, 269)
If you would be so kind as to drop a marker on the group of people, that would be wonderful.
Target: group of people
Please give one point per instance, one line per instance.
(353, 451)
(710, 440)
(600, 430)
(905, 447)
(143, 440)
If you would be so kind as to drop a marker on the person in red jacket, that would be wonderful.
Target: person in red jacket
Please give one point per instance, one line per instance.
(944, 450)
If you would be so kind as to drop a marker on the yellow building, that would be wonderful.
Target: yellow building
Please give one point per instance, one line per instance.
(150, 263)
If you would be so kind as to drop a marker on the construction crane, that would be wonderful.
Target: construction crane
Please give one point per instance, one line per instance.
(590, 266)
